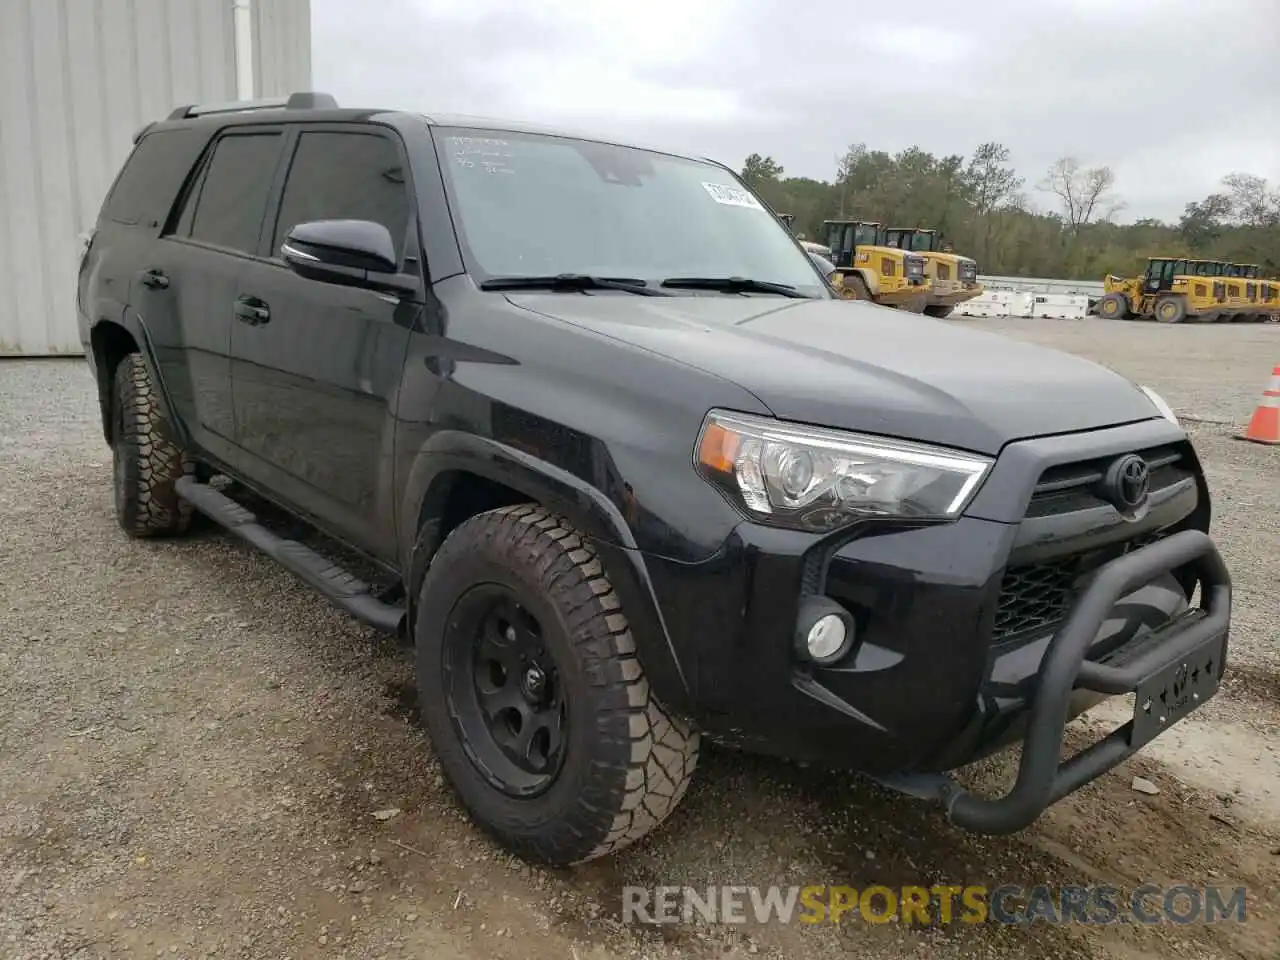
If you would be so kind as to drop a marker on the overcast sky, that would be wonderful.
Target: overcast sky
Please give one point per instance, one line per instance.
(1171, 96)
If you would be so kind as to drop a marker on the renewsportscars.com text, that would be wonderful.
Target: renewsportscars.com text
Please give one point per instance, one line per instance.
(936, 904)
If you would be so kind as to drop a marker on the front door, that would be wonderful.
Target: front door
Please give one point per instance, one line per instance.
(315, 365)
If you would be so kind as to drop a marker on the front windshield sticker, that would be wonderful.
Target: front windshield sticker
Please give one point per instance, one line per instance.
(482, 153)
(733, 196)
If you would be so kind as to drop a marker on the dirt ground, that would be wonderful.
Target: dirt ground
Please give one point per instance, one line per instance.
(193, 748)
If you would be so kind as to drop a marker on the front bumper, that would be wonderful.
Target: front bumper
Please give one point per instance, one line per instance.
(962, 626)
(1171, 670)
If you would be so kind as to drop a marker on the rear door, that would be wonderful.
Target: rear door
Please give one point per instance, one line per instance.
(185, 289)
(316, 365)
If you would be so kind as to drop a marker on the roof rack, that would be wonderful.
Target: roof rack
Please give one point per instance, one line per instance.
(295, 101)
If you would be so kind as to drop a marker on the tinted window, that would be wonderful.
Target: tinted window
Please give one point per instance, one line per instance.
(151, 177)
(230, 203)
(528, 204)
(866, 235)
(345, 176)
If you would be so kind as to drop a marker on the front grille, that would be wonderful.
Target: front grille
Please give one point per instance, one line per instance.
(1038, 595)
(1073, 486)
(944, 271)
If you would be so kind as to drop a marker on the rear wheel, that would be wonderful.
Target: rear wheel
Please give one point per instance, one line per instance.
(1170, 310)
(1113, 306)
(939, 311)
(540, 713)
(856, 288)
(146, 458)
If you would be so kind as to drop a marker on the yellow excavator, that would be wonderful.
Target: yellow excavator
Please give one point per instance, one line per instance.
(1171, 290)
(953, 278)
(870, 270)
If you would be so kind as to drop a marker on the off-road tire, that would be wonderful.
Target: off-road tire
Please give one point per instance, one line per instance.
(1176, 310)
(628, 761)
(856, 288)
(1113, 306)
(939, 311)
(147, 460)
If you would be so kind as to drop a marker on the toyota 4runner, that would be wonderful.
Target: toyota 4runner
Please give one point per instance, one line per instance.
(755, 512)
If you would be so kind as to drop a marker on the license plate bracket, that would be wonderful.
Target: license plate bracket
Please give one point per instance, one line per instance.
(1176, 689)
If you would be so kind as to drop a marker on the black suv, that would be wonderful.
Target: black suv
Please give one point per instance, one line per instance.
(796, 524)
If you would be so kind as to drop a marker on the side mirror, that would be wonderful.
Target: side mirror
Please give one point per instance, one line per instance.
(355, 253)
(824, 266)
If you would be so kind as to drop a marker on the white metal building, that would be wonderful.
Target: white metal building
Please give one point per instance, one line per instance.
(77, 79)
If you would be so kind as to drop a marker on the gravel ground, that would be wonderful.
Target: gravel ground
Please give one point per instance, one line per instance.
(194, 747)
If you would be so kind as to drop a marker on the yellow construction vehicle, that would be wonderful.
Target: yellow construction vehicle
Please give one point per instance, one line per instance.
(1248, 292)
(953, 279)
(870, 270)
(1268, 297)
(1171, 290)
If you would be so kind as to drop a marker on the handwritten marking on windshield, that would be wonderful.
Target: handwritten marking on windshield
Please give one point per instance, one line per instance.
(731, 196)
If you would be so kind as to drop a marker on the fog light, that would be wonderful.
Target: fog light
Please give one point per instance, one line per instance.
(826, 638)
(824, 630)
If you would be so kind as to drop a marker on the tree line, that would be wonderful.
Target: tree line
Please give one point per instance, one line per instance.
(985, 208)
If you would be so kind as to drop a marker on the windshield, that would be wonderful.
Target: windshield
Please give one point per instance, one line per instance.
(922, 242)
(537, 205)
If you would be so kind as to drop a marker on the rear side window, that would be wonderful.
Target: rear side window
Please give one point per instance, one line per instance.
(151, 177)
(226, 206)
(345, 176)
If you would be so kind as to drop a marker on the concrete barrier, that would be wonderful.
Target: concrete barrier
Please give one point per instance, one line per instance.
(997, 303)
(1057, 306)
(983, 307)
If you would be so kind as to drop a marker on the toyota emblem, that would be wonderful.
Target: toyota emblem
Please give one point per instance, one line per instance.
(1128, 482)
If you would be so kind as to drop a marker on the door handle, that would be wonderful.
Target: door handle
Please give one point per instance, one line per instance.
(154, 279)
(252, 311)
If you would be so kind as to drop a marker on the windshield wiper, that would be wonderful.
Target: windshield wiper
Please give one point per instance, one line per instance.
(735, 285)
(572, 281)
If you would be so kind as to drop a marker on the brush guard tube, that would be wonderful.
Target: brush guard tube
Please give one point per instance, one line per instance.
(1173, 670)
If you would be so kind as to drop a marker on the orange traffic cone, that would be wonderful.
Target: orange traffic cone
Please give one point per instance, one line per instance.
(1265, 425)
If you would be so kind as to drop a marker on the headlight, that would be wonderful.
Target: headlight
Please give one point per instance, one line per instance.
(1158, 402)
(811, 478)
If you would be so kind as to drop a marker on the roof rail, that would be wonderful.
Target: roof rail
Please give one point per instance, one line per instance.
(295, 101)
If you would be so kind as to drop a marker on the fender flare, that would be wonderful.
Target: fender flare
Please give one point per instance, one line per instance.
(130, 321)
(449, 453)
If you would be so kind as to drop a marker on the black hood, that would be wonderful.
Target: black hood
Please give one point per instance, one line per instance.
(860, 366)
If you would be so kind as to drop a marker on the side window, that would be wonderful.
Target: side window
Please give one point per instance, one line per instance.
(228, 201)
(345, 176)
(145, 187)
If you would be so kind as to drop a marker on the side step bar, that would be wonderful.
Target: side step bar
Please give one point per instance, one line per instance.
(345, 591)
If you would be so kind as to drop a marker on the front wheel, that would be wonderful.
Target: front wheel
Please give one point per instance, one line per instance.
(540, 713)
(939, 311)
(1113, 306)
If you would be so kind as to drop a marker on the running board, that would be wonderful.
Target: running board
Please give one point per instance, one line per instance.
(341, 588)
